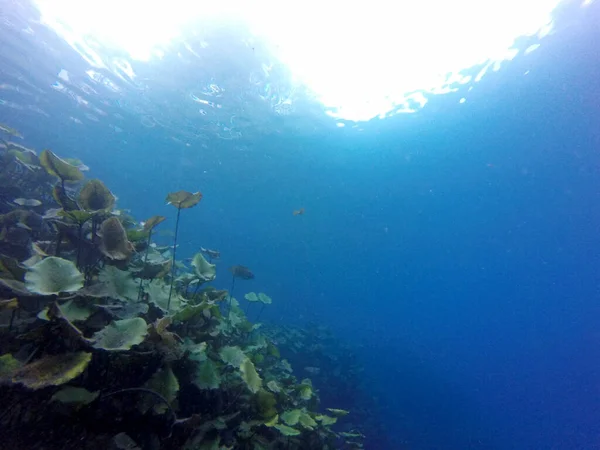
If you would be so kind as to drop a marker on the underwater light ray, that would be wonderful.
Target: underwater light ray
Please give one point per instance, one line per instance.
(359, 60)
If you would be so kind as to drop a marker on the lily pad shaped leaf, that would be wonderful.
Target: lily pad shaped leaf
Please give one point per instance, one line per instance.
(158, 293)
(95, 196)
(121, 334)
(207, 376)
(264, 298)
(203, 269)
(326, 420)
(250, 376)
(75, 395)
(71, 310)
(59, 167)
(233, 356)
(291, 417)
(114, 243)
(196, 352)
(153, 222)
(184, 199)
(166, 384)
(251, 297)
(305, 389)
(51, 370)
(307, 421)
(52, 276)
(118, 283)
(287, 431)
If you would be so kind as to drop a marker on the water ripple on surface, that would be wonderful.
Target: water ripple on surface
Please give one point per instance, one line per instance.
(211, 82)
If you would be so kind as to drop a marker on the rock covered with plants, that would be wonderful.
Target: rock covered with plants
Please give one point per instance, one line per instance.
(108, 341)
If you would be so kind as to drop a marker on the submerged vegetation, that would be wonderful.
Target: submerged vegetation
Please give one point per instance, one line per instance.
(108, 341)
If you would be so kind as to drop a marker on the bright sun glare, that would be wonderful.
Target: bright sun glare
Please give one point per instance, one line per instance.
(361, 59)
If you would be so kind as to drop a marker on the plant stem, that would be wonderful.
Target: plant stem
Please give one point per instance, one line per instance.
(173, 264)
(144, 265)
(12, 318)
(147, 391)
(79, 238)
(94, 229)
(196, 290)
(231, 290)
(260, 312)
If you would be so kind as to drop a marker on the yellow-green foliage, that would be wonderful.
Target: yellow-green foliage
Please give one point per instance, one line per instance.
(207, 376)
(51, 370)
(184, 199)
(307, 421)
(165, 383)
(326, 420)
(53, 275)
(8, 364)
(287, 431)
(305, 389)
(265, 404)
(250, 376)
(72, 311)
(291, 417)
(121, 334)
(233, 356)
(59, 167)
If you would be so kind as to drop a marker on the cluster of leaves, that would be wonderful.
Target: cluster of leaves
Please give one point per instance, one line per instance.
(106, 339)
(335, 370)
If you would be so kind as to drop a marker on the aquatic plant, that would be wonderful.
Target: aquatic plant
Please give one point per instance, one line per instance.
(47, 371)
(53, 275)
(80, 218)
(212, 254)
(149, 226)
(114, 243)
(141, 361)
(60, 168)
(95, 196)
(181, 200)
(121, 334)
(203, 271)
(241, 272)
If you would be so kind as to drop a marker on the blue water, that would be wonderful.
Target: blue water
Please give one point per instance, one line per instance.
(456, 251)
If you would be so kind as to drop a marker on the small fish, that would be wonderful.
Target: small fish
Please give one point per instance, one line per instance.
(215, 254)
(12, 303)
(9, 130)
(313, 370)
(35, 249)
(298, 212)
(27, 202)
(52, 213)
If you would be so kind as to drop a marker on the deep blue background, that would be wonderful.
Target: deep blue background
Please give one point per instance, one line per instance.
(457, 248)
